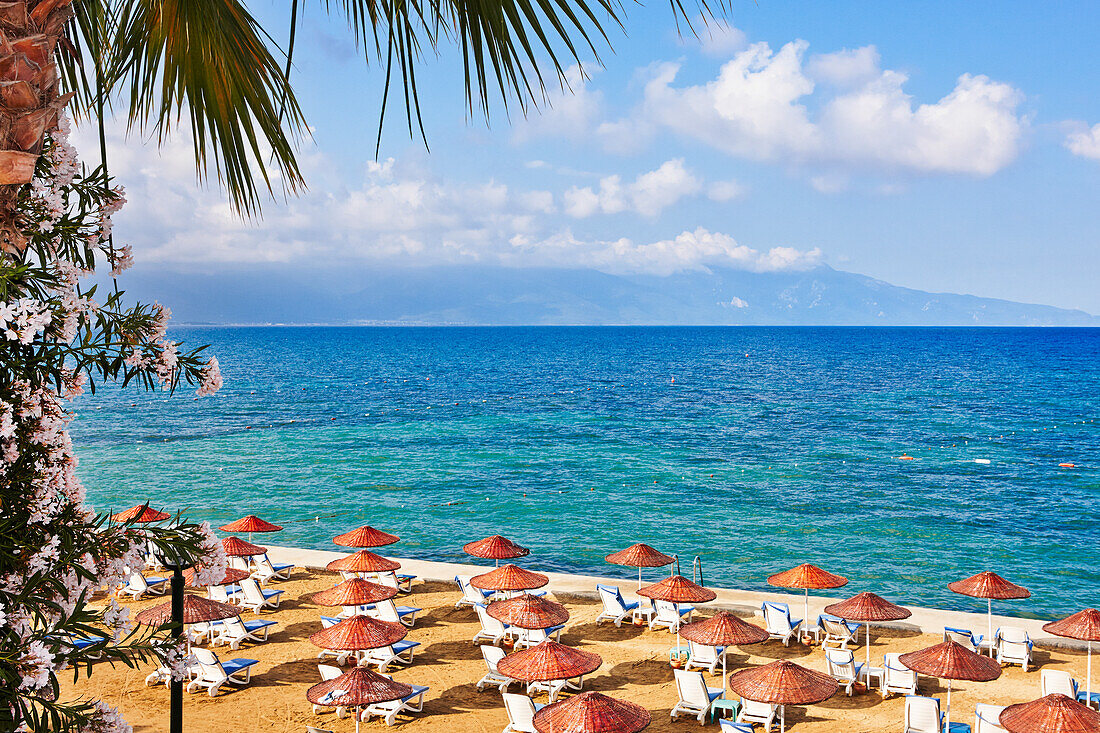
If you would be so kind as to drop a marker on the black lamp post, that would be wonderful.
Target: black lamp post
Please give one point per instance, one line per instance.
(177, 566)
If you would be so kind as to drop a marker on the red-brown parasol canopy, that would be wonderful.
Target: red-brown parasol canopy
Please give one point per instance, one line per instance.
(356, 688)
(548, 660)
(806, 577)
(990, 586)
(723, 629)
(359, 632)
(529, 612)
(196, 610)
(509, 578)
(640, 556)
(363, 561)
(1083, 625)
(1051, 714)
(366, 536)
(236, 547)
(951, 661)
(496, 548)
(866, 607)
(232, 575)
(250, 523)
(140, 514)
(678, 589)
(591, 712)
(783, 683)
(354, 592)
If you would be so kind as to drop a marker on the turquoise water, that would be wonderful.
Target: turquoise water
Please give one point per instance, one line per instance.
(754, 448)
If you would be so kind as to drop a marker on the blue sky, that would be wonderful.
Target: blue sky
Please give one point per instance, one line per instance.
(939, 145)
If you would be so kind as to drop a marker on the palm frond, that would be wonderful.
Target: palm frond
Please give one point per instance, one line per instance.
(208, 59)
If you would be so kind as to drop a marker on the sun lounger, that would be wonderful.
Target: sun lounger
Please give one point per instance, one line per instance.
(695, 697)
(225, 594)
(212, 673)
(615, 609)
(340, 655)
(670, 615)
(731, 726)
(966, 637)
(403, 583)
(553, 688)
(526, 638)
(471, 596)
(757, 712)
(987, 718)
(778, 622)
(492, 630)
(896, 677)
(1013, 646)
(233, 631)
(702, 656)
(400, 652)
(328, 672)
(388, 711)
(388, 611)
(266, 570)
(139, 585)
(311, 729)
(838, 631)
(923, 715)
(255, 598)
(492, 656)
(841, 666)
(521, 713)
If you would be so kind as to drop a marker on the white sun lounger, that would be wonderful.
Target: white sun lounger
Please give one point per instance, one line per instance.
(388, 711)
(527, 638)
(703, 656)
(225, 594)
(521, 713)
(139, 585)
(757, 712)
(256, 598)
(388, 611)
(838, 631)
(492, 656)
(553, 688)
(212, 673)
(340, 655)
(923, 715)
(965, 637)
(266, 570)
(778, 622)
(987, 718)
(471, 596)
(1013, 646)
(1057, 680)
(695, 697)
(400, 652)
(841, 666)
(328, 672)
(403, 583)
(492, 630)
(615, 609)
(233, 631)
(896, 677)
(670, 615)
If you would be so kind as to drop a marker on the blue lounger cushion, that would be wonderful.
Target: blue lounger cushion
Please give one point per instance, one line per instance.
(686, 610)
(331, 619)
(850, 625)
(417, 690)
(236, 665)
(407, 577)
(405, 610)
(1083, 696)
(402, 646)
(554, 629)
(958, 728)
(257, 625)
(270, 593)
(728, 726)
(714, 695)
(283, 565)
(83, 642)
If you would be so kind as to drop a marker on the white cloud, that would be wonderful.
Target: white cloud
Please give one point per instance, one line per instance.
(719, 38)
(726, 190)
(1085, 142)
(829, 183)
(648, 195)
(757, 108)
(736, 302)
(570, 111)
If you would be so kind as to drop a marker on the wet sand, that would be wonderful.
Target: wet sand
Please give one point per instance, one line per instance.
(635, 668)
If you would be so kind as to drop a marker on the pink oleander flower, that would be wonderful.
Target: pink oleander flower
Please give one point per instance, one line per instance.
(35, 666)
(211, 378)
(105, 719)
(121, 259)
(165, 363)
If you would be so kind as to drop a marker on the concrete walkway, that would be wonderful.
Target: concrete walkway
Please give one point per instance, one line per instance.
(742, 602)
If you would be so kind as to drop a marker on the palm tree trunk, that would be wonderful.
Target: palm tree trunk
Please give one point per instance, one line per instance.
(30, 99)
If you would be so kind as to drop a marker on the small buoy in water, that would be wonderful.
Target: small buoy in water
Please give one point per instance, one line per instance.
(983, 461)
(906, 457)
(332, 418)
(1067, 465)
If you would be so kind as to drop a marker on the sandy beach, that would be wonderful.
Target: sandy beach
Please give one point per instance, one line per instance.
(634, 667)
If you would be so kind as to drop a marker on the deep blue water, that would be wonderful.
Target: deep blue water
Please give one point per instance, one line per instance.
(754, 448)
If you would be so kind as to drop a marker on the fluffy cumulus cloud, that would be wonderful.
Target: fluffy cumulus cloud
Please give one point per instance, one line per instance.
(838, 109)
(1085, 142)
(647, 195)
(403, 215)
(569, 111)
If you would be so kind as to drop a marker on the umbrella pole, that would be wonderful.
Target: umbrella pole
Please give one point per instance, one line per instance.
(358, 714)
(639, 577)
(947, 713)
(990, 616)
(1088, 678)
(867, 667)
(724, 673)
(782, 719)
(806, 616)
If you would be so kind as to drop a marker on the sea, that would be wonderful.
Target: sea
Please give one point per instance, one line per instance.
(901, 458)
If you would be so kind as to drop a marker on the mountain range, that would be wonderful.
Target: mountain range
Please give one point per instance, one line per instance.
(487, 295)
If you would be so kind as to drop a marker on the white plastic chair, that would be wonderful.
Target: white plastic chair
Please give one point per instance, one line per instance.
(233, 631)
(757, 712)
(1057, 680)
(471, 596)
(388, 711)
(669, 615)
(212, 673)
(704, 656)
(492, 630)
(922, 715)
(1013, 646)
(615, 609)
(521, 713)
(896, 677)
(841, 666)
(139, 585)
(328, 672)
(388, 611)
(695, 697)
(492, 656)
(987, 718)
(778, 622)
(256, 598)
